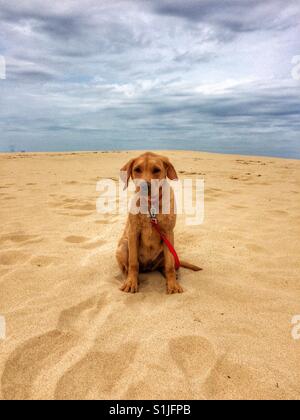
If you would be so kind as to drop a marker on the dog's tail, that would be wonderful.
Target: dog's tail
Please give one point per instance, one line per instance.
(189, 266)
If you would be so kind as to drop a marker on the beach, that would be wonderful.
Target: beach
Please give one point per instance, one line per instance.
(72, 334)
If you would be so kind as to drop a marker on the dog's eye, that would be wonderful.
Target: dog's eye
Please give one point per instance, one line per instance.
(138, 170)
(156, 171)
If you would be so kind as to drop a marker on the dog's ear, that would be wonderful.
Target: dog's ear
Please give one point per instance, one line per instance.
(171, 171)
(126, 172)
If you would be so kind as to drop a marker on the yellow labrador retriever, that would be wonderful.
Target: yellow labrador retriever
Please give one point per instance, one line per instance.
(147, 243)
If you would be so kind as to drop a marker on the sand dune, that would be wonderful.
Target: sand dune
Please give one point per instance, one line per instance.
(72, 334)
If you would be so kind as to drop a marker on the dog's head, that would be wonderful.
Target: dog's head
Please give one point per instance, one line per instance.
(148, 167)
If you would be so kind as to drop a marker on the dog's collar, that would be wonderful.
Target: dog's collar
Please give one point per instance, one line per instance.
(153, 215)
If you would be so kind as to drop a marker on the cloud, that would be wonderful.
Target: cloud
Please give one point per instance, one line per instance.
(234, 15)
(202, 74)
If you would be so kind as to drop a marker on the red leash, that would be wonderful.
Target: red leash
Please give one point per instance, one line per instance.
(154, 223)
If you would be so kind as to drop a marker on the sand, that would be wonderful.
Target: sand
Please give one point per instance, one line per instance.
(71, 334)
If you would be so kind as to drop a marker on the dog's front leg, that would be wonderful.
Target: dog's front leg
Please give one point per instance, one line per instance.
(172, 285)
(131, 283)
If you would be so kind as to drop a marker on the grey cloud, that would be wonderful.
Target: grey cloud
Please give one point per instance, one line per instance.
(255, 109)
(34, 76)
(61, 27)
(124, 74)
(233, 15)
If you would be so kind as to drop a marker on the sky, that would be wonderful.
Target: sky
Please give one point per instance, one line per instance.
(211, 75)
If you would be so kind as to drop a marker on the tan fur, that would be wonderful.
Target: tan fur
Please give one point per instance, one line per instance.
(141, 249)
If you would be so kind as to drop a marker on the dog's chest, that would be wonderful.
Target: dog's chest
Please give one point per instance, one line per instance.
(150, 244)
(149, 238)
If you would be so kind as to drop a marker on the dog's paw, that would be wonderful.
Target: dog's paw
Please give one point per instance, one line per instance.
(129, 286)
(174, 288)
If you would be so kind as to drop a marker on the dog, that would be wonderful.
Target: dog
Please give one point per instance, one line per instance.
(142, 248)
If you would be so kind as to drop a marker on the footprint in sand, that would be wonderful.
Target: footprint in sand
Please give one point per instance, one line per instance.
(28, 360)
(194, 356)
(26, 363)
(9, 198)
(13, 258)
(71, 183)
(79, 208)
(278, 212)
(76, 318)
(81, 214)
(96, 374)
(237, 206)
(19, 238)
(94, 245)
(44, 261)
(76, 239)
